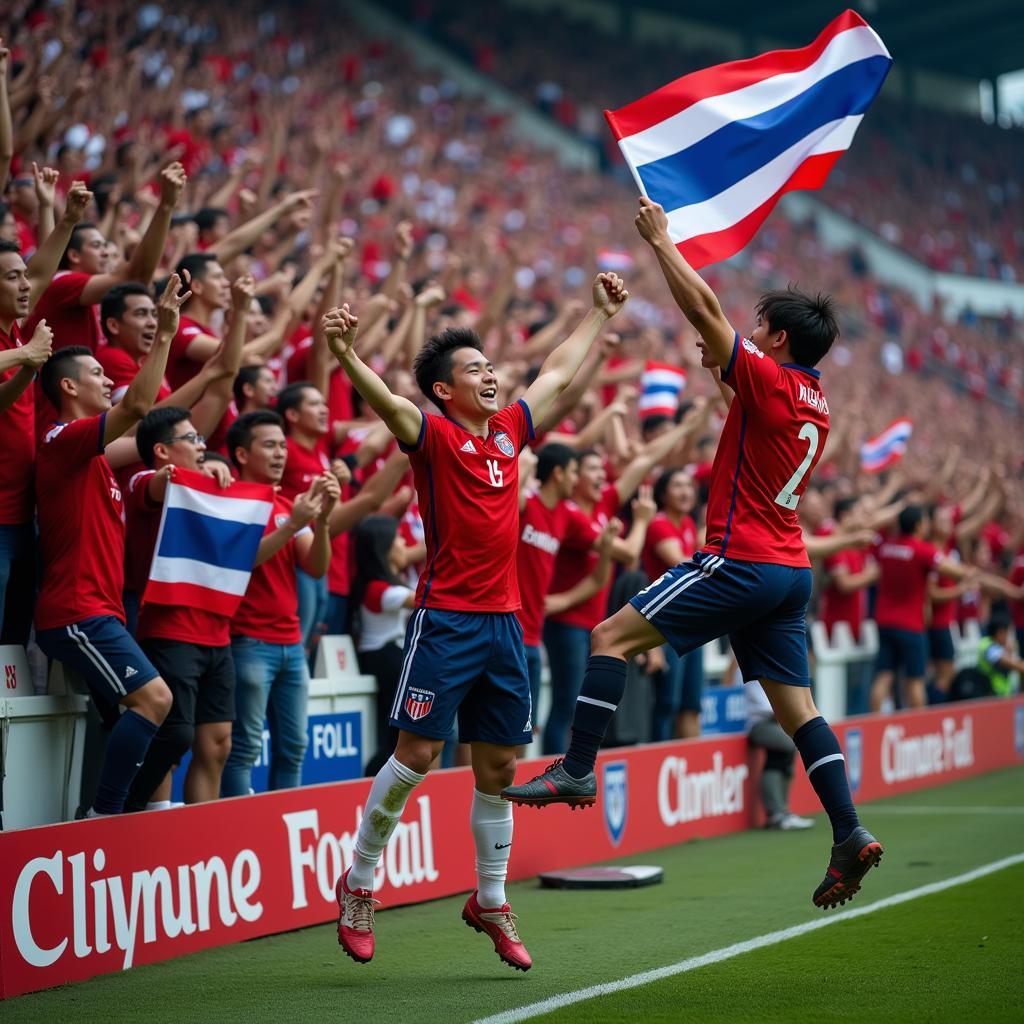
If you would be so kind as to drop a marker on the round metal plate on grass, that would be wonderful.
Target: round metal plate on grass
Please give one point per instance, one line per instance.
(631, 876)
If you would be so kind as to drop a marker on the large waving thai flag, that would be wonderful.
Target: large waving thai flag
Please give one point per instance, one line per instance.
(661, 384)
(207, 542)
(887, 448)
(717, 148)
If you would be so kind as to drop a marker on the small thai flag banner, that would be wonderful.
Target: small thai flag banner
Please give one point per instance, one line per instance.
(207, 542)
(660, 387)
(887, 448)
(617, 261)
(717, 148)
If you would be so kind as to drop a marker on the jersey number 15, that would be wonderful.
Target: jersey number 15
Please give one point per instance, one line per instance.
(496, 474)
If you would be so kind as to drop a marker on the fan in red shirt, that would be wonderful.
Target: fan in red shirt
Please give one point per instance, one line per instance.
(271, 674)
(905, 562)
(464, 647)
(753, 578)
(848, 575)
(943, 595)
(190, 647)
(671, 539)
(79, 614)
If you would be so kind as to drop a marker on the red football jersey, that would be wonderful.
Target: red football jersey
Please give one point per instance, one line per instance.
(837, 606)
(18, 444)
(662, 528)
(81, 526)
(121, 368)
(772, 440)
(180, 369)
(468, 490)
(71, 322)
(304, 465)
(166, 622)
(944, 612)
(577, 558)
(270, 609)
(905, 563)
(541, 532)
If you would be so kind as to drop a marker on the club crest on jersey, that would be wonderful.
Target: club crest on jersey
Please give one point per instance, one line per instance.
(854, 757)
(616, 799)
(752, 348)
(505, 445)
(418, 703)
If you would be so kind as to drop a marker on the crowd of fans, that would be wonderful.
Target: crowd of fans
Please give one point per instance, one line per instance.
(941, 186)
(191, 188)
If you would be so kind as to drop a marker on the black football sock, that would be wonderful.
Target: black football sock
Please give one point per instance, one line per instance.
(826, 770)
(602, 689)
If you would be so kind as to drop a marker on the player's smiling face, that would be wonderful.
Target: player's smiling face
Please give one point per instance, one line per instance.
(474, 387)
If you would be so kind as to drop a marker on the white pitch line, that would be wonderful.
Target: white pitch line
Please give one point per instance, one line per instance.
(728, 952)
(944, 810)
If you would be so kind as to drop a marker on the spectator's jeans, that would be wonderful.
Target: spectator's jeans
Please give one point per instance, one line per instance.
(17, 574)
(312, 604)
(271, 680)
(568, 649)
(336, 615)
(668, 695)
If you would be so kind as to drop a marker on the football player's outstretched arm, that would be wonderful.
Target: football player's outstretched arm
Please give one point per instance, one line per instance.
(403, 419)
(697, 301)
(558, 370)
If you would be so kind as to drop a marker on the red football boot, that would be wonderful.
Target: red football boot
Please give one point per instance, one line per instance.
(355, 920)
(500, 925)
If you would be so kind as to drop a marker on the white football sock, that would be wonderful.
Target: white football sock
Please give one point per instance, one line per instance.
(491, 820)
(158, 805)
(383, 811)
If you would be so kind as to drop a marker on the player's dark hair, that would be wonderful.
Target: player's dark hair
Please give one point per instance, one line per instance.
(586, 453)
(8, 246)
(240, 432)
(75, 241)
(909, 519)
(373, 537)
(291, 398)
(60, 365)
(246, 375)
(842, 506)
(157, 427)
(206, 219)
(434, 362)
(113, 304)
(997, 623)
(196, 265)
(809, 322)
(554, 456)
(661, 485)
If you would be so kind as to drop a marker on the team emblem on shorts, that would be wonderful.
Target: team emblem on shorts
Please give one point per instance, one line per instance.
(418, 703)
(505, 445)
(616, 799)
(854, 757)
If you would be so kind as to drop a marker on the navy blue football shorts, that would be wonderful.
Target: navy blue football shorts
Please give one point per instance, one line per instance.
(469, 664)
(905, 649)
(761, 608)
(104, 653)
(940, 644)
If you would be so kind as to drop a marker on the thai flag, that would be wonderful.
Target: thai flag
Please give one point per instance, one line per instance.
(717, 148)
(618, 261)
(887, 448)
(660, 387)
(207, 542)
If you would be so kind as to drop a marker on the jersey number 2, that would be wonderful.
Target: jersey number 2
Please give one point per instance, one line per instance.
(497, 476)
(786, 498)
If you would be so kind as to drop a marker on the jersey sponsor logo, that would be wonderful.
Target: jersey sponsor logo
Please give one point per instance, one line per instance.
(752, 348)
(129, 672)
(814, 398)
(900, 552)
(505, 446)
(468, 447)
(54, 431)
(536, 539)
(418, 703)
(615, 799)
(854, 757)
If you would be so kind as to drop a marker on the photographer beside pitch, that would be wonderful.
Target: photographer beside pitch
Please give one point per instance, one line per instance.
(752, 580)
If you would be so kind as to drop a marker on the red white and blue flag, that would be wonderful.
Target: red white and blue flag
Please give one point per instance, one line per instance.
(887, 448)
(717, 148)
(207, 542)
(661, 384)
(618, 261)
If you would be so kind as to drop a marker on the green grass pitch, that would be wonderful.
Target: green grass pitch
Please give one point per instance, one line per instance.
(949, 956)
